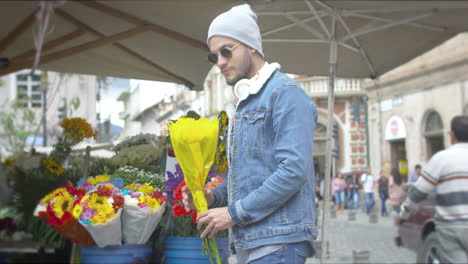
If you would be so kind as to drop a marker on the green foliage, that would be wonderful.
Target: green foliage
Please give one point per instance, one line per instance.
(134, 175)
(17, 125)
(102, 166)
(193, 115)
(75, 103)
(32, 183)
(143, 151)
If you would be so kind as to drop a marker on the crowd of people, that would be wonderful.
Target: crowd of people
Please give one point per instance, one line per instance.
(360, 189)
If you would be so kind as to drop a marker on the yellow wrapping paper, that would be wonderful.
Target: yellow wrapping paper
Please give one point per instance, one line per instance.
(194, 143)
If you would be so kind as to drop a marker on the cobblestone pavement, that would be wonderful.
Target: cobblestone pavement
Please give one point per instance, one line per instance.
(361, 235)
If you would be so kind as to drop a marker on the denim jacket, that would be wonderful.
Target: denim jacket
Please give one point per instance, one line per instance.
(270, 187)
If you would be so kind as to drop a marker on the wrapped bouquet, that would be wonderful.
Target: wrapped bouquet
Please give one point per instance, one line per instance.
(99, 212)
(56, 210)
(195, 143)
(143, 209)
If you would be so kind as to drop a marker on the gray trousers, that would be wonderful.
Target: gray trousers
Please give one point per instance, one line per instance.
(453, 243)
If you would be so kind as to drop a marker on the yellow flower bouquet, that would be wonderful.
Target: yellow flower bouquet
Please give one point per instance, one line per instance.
(99, 212)
(56, 209)
(194, 143)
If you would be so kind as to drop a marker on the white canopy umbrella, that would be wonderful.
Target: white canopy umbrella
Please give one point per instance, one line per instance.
(365, 38)
(165, 40)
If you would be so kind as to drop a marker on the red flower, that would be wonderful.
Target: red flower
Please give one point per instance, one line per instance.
(118, 202)
(178, 191)
(103, 190)
(178, 210)
(159, 196)
(194, 216)
(171, 153)
(53, 219)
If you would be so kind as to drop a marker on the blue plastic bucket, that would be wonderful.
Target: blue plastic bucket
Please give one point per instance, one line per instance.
(189, 250)
(116, 254)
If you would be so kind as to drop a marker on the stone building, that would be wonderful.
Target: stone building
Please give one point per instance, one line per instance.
(410, 108)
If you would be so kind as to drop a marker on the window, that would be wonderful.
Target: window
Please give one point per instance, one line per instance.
(320, 136)
(28, 90)
(434, 133)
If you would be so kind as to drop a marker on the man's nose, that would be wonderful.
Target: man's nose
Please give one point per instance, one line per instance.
(221, 61)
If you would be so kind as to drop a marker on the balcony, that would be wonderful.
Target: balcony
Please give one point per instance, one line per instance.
(318, 87)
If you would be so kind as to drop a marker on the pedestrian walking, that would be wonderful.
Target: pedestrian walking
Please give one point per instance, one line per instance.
(383, 192)
(368, 183)
(268, 197)
(338, 192)
(415, 174)
(395, 190)
(446, 173)
(353, 191)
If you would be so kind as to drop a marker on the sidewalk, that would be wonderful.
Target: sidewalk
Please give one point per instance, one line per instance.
(360, 235)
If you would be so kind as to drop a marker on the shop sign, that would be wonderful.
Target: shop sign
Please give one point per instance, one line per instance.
(395, 128)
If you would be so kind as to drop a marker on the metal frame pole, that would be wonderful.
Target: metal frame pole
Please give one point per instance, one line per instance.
(328, 164)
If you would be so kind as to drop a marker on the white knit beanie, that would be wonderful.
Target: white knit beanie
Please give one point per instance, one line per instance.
(239, 23)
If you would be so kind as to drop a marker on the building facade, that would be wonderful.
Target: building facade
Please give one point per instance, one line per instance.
(58, 95)
(149, 106)
(410, 108)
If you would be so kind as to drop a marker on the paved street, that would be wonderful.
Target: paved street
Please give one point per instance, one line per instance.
(376, 238)
(360, 235)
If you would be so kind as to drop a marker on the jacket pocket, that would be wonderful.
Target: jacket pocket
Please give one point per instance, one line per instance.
(254, 129)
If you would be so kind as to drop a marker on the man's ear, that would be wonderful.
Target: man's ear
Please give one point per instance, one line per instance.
(252, 51)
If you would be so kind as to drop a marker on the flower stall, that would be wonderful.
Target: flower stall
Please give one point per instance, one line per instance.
(115, 211)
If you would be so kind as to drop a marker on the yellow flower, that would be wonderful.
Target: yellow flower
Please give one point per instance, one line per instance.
(53, 166)
(7, 163)
(149, 201)
(77, 211)
(98, 202)
(131, 186)
(62, 203)
(102, 178)
(146, 189)
(52, 194)
(77, 129)
(98, 179)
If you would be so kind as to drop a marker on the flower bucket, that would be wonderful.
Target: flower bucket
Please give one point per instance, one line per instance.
(130, 253)
(189, 250)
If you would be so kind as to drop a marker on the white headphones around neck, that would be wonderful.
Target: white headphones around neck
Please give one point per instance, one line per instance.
(242, 87)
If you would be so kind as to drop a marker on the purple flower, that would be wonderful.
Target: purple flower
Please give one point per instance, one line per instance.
(135, 194)
(174, 179)
(87, 214)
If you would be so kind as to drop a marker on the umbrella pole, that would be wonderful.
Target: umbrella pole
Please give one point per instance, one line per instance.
(328, 158)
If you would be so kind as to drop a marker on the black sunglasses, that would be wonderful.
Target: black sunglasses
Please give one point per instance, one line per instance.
(224, 51)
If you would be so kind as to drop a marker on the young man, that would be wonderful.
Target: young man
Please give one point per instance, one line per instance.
(268, 196)
(368, 183)
(447, 173)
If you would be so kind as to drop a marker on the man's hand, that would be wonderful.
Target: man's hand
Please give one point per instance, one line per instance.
(187, 198)
(216, 219)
